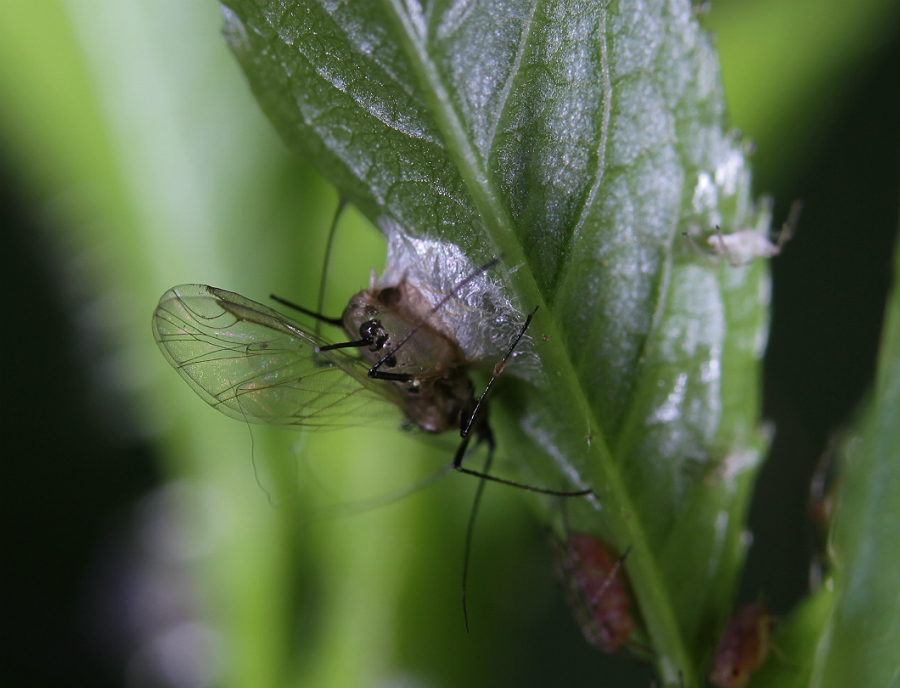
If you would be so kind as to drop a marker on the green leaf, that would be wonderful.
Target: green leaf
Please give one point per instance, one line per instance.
(578, 140)
(861, 644)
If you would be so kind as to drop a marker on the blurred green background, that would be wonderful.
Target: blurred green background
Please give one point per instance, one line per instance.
(139, 549)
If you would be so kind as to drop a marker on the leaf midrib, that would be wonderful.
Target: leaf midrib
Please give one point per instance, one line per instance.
(655, 603)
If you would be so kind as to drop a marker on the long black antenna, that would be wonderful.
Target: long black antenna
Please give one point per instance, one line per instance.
(329, 244)
(317, 314)
(470, 528)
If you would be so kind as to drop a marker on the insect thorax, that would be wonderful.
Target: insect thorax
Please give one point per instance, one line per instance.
(439, 391)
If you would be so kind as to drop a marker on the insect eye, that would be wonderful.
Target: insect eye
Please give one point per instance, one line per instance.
(373, 331)
(370, 329)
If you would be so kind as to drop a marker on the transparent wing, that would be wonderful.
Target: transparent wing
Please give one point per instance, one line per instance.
(253, 364)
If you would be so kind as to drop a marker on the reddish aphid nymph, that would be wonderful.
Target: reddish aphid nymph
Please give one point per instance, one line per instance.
(744, 646)
(597, 592)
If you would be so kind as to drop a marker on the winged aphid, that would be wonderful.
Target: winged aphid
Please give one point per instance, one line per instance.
(254, 364)
(744, 245)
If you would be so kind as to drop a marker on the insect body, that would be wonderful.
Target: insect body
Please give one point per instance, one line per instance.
(254, 364)
(744, 245)
(596, 591)
(428, 370)
(744, 647)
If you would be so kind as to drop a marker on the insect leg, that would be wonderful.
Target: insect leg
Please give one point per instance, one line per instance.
(497, 370)
(725, 252)
(395, 377)
(787, 229)
(711, 260)
(466, 431)
(344, 345)
(457, 465)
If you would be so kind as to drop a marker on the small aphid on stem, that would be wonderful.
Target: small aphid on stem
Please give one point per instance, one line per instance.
(595, 590)
(744, 646)
(744, 245)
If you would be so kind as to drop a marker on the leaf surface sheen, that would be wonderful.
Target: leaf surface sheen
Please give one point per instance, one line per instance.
(578, 140)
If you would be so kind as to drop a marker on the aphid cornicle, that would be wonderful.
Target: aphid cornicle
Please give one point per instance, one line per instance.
(254, 364)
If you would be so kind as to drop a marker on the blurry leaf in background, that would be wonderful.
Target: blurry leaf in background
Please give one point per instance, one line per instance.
(862, 641)
(788, 65)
